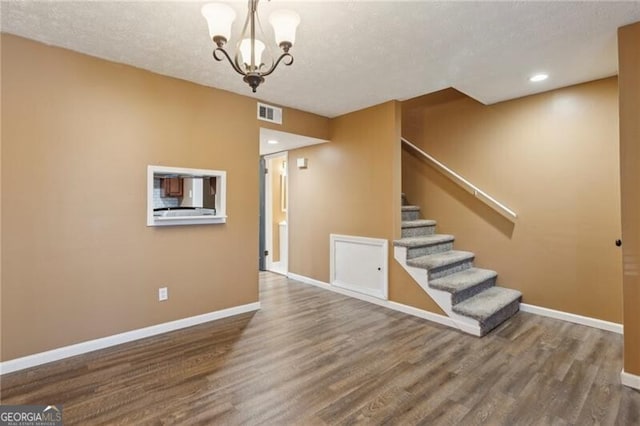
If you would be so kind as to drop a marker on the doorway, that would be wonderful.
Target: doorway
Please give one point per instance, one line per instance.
(275, 146)
(276, 235)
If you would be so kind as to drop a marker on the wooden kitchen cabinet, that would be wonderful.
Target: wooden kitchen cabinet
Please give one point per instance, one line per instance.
(173, 187)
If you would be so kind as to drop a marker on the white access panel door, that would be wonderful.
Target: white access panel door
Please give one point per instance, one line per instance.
(360, 264)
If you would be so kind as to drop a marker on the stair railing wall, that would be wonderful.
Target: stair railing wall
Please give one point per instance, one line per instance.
(465, 184)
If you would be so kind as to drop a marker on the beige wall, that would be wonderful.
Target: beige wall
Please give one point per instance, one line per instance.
(352, 187)
(78, 261)
(300, 123)
(629, 72)
(1, 274)
(552, 158)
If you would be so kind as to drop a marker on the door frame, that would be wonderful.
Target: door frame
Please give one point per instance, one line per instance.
(261, 211)
(268, 211)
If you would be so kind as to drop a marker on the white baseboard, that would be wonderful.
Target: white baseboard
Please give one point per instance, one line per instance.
(129, 336)
(444, 320)
(576, 319)
(630, 380)
(421, 313)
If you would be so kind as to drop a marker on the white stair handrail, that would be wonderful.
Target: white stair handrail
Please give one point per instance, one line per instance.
(466, 185)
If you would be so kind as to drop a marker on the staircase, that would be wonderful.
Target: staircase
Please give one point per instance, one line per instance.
(467, 294)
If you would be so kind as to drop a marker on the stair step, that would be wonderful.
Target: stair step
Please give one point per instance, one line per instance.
(465, 284)
(418, 228)
(427, 240)
(442, 264)
(410, 212)
(490, 307)
(425, 245)
(417, 223)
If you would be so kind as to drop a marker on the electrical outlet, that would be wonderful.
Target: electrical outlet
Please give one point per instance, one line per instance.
(163, 293)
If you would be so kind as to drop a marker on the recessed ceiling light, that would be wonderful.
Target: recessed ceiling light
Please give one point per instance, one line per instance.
(539, 77)
(272, 141)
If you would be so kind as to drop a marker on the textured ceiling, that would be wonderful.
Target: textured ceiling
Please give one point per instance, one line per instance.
(352, 54)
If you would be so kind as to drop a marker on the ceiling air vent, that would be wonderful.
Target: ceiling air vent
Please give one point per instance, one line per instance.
(269, 113)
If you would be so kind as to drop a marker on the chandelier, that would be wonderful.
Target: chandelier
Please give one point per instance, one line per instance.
(248, 60)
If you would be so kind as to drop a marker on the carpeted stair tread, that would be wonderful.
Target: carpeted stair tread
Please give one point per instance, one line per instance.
(413, 226)
(463, 280)
(487, 303)
(438, 260)
(418, 223)
(426, 240)
(473, 292)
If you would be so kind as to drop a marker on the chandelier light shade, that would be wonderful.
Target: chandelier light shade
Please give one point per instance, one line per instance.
(219, 17)
(248, 59)
(285, 23)
(245, 51)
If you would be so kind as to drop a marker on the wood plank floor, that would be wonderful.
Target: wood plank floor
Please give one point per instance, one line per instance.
(312, 357)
